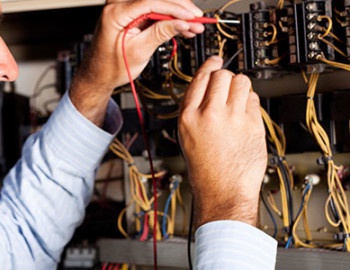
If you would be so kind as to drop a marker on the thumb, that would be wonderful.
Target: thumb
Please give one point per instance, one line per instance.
(160, 32)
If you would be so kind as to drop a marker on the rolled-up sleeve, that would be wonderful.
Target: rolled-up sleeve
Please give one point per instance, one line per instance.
(233, 245)
(43, 197)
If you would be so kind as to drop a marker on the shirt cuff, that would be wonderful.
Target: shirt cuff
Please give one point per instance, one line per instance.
(233, 245)
(78, 140)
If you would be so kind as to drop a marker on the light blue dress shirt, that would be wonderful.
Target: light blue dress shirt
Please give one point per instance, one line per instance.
(231, 245)
(44, 196)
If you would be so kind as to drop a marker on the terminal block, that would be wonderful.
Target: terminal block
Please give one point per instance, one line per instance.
(307, 25)
(158, 73)
(158, 68)
(214, 42)
(259, 35)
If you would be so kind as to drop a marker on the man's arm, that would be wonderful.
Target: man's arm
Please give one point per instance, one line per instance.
(44, 196)
(223, 139)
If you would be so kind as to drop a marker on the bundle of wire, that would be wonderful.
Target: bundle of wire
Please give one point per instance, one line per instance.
(217, 16)
(145, 92)
(323, 37)
(174, 186)
(277, 145)
(174, 65)
(143, 204)
(337, 200)
(148, 93)
(302, 213)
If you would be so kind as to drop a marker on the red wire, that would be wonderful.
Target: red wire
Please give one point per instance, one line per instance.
(174, 48)
(145, 229)
(144, 134)
(104, 266)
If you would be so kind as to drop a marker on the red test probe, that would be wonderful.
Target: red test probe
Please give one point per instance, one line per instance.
(161, 17)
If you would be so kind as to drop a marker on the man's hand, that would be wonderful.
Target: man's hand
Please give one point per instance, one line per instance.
(223, 139)
(103, 68)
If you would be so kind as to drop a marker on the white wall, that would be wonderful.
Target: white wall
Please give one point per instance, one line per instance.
(29, 74)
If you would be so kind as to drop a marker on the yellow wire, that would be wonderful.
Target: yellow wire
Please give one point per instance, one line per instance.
(274, 34)
(222, 31)
(184, 216)
(333, 35)
(124, 267)
(280, 4)
(273, 61)
(303, 214)
(285, 210)
(221, 47)
(328, 217)
(271, 201)
(272, 204)
(172, 215)
(306, 80)
(122, 90)
(175, 69)
(138, 223)
(151, 223)
(333, 46)
(334, 64)
(149, 93)
(227, 5)
(119, 223)
(330, 24)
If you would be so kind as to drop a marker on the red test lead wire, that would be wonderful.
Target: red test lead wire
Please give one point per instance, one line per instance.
(133, 24)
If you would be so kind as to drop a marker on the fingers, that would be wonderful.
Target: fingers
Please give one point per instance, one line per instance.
(253, 109)
(152, 37)
(239, 93)
(218, 89)
(179, 9)
(198, 87)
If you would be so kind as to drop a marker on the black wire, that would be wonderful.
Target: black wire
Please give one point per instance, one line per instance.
(285, 178)
(289, 192)
(229, 61)
(270, 214)
(189, 238)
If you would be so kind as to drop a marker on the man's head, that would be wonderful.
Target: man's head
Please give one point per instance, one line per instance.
(8, 65)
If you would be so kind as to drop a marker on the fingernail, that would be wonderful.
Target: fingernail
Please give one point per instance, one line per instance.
(198, 12)
(216, 58)
(181, 26)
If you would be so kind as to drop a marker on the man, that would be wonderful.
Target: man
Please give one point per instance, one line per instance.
(221, 132)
